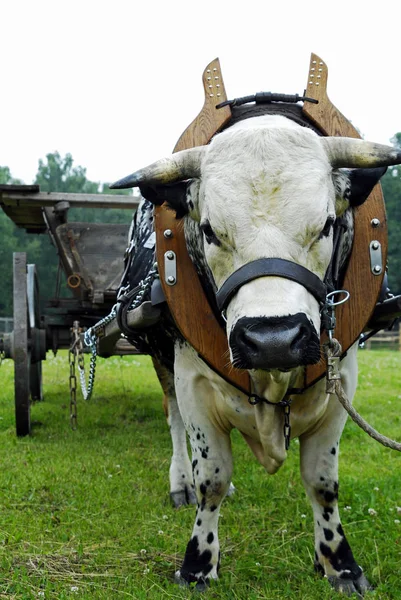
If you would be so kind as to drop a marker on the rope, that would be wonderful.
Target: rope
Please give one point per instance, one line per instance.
(360, 421)
(334, 386)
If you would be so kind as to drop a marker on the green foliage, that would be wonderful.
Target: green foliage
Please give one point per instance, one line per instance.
(89, 509)
(391, 184)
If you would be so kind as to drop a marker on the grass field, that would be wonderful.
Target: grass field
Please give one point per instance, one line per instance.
(86, 513)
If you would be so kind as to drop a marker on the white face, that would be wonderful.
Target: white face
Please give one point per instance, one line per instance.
(267, 191)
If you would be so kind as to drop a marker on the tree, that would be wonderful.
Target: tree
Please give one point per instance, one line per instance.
(391, 183)
(57, 174)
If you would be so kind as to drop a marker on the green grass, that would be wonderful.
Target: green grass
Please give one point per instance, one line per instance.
(86, 513)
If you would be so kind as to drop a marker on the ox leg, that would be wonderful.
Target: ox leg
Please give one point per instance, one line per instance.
(212, 470)
(319, 469)
(181, 481)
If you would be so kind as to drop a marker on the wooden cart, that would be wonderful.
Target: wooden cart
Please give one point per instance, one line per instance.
(91, 258)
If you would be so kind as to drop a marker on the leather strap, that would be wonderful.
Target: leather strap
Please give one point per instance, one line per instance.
(274, 267)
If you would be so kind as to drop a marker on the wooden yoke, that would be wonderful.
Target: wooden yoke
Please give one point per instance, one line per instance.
(370, 226)
(186, 299)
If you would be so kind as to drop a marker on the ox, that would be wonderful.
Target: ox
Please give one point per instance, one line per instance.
(264, 188)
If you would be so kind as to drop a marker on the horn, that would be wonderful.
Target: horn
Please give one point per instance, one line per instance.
(181, 165)
(354, 153)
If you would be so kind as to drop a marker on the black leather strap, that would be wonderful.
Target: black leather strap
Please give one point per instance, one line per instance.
(276, 267)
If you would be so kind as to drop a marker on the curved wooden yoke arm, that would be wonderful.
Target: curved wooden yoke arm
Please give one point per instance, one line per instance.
(363, 285)
(187, 301)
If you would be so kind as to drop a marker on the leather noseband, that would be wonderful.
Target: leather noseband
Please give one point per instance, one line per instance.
(274, 267)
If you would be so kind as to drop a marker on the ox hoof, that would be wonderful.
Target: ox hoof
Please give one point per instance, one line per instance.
(200, 586)
(183, 498)
(351, 586)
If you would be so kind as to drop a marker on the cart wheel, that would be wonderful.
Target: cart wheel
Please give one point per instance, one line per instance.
(21, 350)
(36, 337)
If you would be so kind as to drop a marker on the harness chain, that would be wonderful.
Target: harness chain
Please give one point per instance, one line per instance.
(92, 334)
(73, 379)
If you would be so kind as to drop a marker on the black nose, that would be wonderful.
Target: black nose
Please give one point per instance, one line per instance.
(274, 342)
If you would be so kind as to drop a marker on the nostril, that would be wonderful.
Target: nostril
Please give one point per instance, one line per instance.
(247, 340)
(301, 338)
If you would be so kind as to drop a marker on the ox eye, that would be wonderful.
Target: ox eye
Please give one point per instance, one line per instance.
(209, 234)
(327, 228)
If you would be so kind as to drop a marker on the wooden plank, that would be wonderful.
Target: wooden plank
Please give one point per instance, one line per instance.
(10, 198)
(363, 285)
(187, 302)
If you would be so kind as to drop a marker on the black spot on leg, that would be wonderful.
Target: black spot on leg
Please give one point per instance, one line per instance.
(198, 436)
(194, 463)
(213, 508)
(210, 538)
(202, 489)
(207, 481)
(199, 522)
(327, 511)
(217, 470)
(195, 561)
(342, 559)
(328, 534)
(322, 479)
(333, 451)
(340, 529)
(204, 454)
(330, 496)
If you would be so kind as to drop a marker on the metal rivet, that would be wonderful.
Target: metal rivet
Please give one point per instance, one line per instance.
(377, 269)
(210, 95)
(312, 75)
(218, 95)
(317, 83)
(214, 69)
(375, 245)
(168, 233)
(216, 78)
(217, 85)
(208, 71)
(319, 76)
(321, 63)
(375, 222)
(209, 78)
(311, 82)
(313, 62)
(313, 68)
(170, 255)
(171, 279)
(210, 87)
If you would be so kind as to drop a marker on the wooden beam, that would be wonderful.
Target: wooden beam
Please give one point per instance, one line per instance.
(41, 199)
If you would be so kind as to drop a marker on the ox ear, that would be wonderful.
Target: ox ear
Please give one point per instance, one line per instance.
(176, 195)
(353, 186)
(362, 183)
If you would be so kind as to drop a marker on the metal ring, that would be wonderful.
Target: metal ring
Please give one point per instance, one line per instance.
(74, 281)
(332, 294)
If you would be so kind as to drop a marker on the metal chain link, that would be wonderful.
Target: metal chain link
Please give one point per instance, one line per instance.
(92, 334)
(73, 388)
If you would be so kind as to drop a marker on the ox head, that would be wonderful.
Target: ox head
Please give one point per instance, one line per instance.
(266, 188)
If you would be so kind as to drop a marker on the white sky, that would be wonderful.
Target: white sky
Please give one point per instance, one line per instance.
(115, 83)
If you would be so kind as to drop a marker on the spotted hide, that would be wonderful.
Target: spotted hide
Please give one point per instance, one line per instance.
(265, 188)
